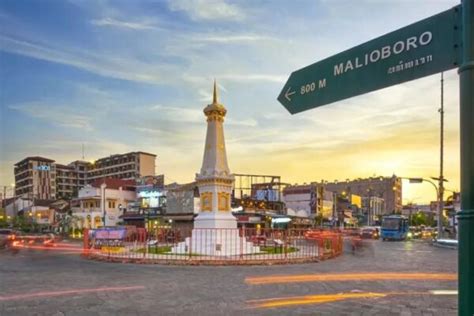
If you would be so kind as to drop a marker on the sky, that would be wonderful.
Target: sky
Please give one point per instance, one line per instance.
(120, 76)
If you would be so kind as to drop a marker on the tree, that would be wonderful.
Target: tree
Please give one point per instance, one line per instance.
(418, 219)
(318, 220)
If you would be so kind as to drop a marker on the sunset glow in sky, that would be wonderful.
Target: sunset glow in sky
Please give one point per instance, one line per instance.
(120, 76)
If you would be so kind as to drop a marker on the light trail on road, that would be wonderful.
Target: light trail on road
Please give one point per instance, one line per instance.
(49, 248)
(69, 292)
(311, 299)
(350, 277)
(327, 298)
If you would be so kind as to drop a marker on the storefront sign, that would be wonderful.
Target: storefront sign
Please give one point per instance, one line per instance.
(110, 233)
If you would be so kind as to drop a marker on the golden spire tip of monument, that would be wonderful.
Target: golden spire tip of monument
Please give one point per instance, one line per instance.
(214, 97)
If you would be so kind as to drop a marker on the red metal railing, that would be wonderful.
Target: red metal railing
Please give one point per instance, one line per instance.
(216, 246)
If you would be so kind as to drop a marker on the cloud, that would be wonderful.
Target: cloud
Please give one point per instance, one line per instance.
(235, 77)
(208, 9)
(178, 114)
(101, 64)
(246, 122)
(59, 115)
(123, 24)
(239, 38)
(253, 77)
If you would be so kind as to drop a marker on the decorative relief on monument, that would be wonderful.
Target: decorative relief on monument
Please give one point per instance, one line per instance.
(223, 199)
(206, 202)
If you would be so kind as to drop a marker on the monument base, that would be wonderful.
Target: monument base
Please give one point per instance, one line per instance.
(216, 234)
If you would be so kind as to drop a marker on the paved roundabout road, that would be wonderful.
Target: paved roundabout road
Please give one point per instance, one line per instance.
(394, 278)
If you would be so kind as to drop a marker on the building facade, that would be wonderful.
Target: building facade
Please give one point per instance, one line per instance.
(131, 165)
(66, 181)
(387, 188)
(43, 178)
(311, 200)
(35, 177)
(103, 202)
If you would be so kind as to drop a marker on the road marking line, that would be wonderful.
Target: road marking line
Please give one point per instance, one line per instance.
(69, 292)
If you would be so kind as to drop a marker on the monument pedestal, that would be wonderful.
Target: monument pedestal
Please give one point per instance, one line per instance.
(216, 234)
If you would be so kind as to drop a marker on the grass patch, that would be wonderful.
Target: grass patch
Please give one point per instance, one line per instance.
(156, 250)
(278, 249)
(165, 250)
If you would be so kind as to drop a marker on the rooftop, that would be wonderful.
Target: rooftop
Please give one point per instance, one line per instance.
(111, 183)
(35, 158)
(60, 166)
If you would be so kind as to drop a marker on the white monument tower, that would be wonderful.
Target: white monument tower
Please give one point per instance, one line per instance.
(215, 229)
(215, 180)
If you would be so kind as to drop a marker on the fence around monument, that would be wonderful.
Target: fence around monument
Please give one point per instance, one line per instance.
(215, 246)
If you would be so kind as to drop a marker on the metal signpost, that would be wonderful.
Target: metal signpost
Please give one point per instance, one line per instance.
(466, 215)
(438, 43)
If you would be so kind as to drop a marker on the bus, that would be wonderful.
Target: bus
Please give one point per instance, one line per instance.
(394, 227)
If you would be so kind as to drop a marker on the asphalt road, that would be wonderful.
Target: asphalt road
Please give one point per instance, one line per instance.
(393, 278)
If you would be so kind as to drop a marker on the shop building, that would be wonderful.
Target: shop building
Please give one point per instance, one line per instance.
(103, 202)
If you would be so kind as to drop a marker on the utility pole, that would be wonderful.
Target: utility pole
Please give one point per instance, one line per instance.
(441, 177)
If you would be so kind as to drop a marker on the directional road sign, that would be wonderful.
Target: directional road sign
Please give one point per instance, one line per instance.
(420, 49)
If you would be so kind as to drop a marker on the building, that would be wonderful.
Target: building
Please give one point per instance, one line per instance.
(81, 168)
(306, 199)
(375, 207)
(131, 165)
(103, 202)
(258, 193)
(182, 204)
(35, 177)
(66, 181)
(12, 206)
(149, 208)
(387, 188)
(43, 178)
(41, 213)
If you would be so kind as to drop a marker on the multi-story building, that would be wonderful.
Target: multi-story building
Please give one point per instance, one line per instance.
(131, 165)
(35, 177)
(66, 181)
(387, 188)
(81, 168)
(43, 178)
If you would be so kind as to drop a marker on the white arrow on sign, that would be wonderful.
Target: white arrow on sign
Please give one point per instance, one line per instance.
(288, 94)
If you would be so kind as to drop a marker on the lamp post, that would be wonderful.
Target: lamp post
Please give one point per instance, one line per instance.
(441, 181)
(438, 196)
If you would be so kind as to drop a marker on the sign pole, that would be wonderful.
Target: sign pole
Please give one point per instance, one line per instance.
(466, 215)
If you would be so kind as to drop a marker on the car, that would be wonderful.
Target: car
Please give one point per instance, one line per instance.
(414, 233)
(428, 233)
(7, 236)
(369, 233)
